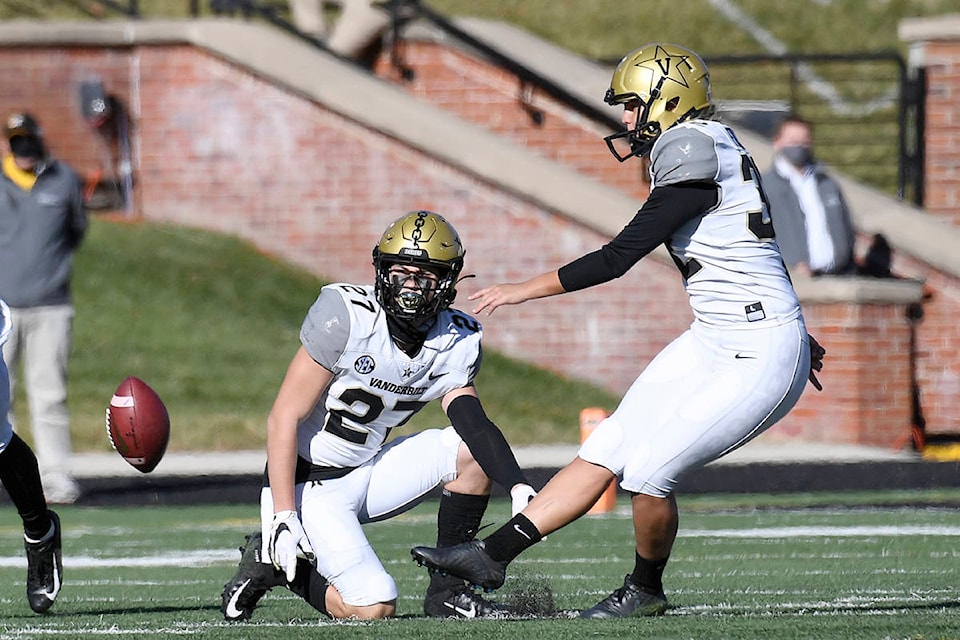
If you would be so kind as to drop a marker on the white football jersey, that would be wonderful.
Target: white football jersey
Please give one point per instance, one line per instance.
(731, 264)
(376, 386)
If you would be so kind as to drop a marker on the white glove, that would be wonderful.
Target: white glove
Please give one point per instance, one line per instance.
(520, 495)
(287, 541)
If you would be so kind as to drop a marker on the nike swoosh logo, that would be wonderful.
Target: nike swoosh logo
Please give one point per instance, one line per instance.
(466, 613)
(232, 610)
(52, 593)
(740, 356)
(516, 527)
(434, 376)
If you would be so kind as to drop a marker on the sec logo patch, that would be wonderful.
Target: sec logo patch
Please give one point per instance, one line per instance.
(364, 364)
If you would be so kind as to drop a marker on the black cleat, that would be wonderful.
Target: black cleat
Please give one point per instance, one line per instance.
(629, 600)
(252, 579)
(463, 602)
(44, 568)
(468, 560)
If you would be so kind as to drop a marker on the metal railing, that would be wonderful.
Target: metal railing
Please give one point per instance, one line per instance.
(130, 9)
(866, 108)
(527, 77)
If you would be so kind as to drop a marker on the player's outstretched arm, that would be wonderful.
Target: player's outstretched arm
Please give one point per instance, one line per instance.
(542, 286)
(302, 387)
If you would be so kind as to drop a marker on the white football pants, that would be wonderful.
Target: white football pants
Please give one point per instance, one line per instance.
(707, 393)
(332, 511)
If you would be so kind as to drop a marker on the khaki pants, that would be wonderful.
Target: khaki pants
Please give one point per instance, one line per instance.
(357, 27)
(42, 338)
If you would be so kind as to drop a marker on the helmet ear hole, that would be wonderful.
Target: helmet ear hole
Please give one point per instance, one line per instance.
(672, 104)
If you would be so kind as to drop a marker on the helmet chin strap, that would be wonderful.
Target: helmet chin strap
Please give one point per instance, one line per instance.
(409, 335)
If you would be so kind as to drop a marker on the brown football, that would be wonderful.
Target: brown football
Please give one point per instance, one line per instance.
(138, 424)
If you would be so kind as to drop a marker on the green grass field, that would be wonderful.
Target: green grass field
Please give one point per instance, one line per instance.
(744, 567)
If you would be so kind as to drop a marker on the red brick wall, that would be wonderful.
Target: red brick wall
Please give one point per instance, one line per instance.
(942, 177)
(46, 83)
(938, 337)
(309, 185)
(865, 379)
(938, 334)
(220, 148)
(481, 93)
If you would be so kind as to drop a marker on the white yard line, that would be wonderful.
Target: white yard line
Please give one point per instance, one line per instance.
(182, 559)
(823, 532)
(187, 629)
(205, 558)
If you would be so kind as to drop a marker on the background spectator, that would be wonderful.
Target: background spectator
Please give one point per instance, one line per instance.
(42, 221)
(810, 214)
(357, 27)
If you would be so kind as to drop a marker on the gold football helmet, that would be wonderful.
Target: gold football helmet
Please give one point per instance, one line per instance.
(423, 239)
(671, 84)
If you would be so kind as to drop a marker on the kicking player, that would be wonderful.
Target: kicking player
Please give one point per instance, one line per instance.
(739, 368)
(20, 476)
(370, 358)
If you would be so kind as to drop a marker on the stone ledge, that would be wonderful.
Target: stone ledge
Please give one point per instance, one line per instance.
(857, 290)
(946, 27)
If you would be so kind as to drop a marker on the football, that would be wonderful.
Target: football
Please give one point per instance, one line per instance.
(138, 425)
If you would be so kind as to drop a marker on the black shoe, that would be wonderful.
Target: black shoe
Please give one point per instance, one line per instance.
(468, 561)
(629, 600)
(252, 579)
(463, 602)
(44, 568)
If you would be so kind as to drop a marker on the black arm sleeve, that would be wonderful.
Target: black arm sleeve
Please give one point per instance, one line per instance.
(485, 440)
(665, 210)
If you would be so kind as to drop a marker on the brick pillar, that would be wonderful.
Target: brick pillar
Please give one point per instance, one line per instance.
(935, 47)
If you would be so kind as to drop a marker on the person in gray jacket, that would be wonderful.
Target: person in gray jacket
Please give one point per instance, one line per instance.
(810, 215)
(42, 222)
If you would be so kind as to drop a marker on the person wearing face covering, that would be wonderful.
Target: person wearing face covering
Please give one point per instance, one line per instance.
(42, 221)
(810, 215)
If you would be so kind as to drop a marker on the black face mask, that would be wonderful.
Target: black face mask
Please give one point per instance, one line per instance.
(798, 155)
(26, 147)
(409, 335)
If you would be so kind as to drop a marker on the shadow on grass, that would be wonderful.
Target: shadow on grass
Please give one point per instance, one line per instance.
(134, 609)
